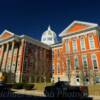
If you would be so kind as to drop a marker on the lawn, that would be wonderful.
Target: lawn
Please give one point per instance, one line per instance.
(93, 89)
(41, 86)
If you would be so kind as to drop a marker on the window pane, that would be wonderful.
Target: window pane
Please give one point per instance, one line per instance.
(84, 58)
(91, 41)
(74, 45)
(67, 46)
(94, 61)
(58, 68)
(76, 62)
(82, 43)
(68, 63)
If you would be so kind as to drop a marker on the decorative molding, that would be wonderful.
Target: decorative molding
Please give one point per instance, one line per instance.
(77, 35)
(7, 32)
(91, 25)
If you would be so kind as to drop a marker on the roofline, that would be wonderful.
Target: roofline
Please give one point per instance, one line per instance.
(27, 38)
(56, 45)
(80, 22)
(6, 31)
(9, 40)
(34, 41)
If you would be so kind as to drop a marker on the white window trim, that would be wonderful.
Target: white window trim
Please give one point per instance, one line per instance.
(67, 41)
(74, 62)
(84, 43)
(68, 58)
(96, 61)
(89, 42)
(83, 62)
(76, 45)
(58, 68)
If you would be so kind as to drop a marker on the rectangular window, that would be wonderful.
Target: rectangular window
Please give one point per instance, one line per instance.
(58, 68)
(91, 42)
(97, 79)
(94, 61)
(58, 52)
(82, 43)
(84, 59)
(67, 46)
(68, 64)
(76, 63)
(74, 44)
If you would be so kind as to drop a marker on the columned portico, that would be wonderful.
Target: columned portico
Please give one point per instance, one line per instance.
(23, 58)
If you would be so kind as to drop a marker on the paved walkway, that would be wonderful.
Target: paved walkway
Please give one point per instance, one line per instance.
(40, 93)
(29, 92)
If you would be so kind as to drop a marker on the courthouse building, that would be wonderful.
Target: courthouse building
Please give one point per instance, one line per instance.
(24, 59)
(77, 57)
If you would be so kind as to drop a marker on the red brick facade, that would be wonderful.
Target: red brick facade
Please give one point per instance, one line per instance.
(80, 44)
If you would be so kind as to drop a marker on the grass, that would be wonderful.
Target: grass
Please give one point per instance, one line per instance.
(93, 89)
(41, 86)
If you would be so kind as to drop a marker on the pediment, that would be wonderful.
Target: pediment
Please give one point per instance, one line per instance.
(6, 34)
(77, 26)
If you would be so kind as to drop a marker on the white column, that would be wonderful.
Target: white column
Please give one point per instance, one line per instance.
(20, 62)
(9, 60)
(5, 58)
(1, 56)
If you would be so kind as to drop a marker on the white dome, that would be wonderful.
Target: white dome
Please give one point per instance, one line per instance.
(49, 37)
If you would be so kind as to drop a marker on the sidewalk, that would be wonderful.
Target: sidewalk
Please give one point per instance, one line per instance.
(28, 92)
(40, 93)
